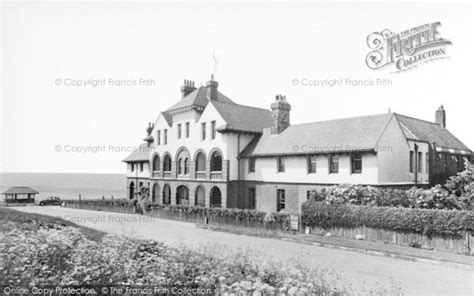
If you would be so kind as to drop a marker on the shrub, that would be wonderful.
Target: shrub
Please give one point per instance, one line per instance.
(63, 256)
(428, 222)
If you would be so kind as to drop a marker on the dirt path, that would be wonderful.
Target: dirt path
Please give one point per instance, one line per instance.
(362, 270)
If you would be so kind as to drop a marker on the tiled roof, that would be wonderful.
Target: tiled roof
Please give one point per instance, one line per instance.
(243, 118)
(358, 133)
(198, 98)
(431, 132)
(20, 190)
(142, 153)
(349, 134)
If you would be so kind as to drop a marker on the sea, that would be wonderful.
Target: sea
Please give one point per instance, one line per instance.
(68, 186)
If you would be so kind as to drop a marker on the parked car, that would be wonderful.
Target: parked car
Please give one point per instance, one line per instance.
(52, 200)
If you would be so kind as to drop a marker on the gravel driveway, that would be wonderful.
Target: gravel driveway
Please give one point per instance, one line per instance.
(362, 270)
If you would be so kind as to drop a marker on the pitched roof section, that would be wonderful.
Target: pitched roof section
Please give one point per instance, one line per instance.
(431, 132)
(243, 118)
(197, 98)
(20, 190)
(140, 154)
(349, 134)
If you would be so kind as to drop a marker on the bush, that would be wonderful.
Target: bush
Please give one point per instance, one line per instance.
(63, 256)
(428, 222)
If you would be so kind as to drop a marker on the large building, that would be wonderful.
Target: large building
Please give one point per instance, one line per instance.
(207, 150)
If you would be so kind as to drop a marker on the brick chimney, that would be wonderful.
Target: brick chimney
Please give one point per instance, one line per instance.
(187, 88)
(440, 117)
(281, 114)
(212, 88)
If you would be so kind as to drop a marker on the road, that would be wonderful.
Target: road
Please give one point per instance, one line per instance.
(363, 271)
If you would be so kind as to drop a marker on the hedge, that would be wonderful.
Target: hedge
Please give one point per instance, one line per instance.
(238, 214)
(406, 220)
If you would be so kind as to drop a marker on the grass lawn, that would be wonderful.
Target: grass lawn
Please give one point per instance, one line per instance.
(28, 220)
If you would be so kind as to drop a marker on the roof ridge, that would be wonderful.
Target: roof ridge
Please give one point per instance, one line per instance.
(233, 103)
(411, 117)
(339, 119)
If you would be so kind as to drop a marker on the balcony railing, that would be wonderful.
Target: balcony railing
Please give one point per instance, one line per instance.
(167, 175)
(216, 175)
(156, 174)
(200, 175)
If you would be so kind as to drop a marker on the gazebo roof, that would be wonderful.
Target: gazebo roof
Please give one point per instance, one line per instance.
(20, 190)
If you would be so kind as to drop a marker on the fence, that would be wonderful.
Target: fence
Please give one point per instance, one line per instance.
(459, 245)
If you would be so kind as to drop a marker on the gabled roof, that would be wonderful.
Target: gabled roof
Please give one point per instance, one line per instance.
(20, 190)
(243, 118)
(197, 98)
(348, 134)
(432, 132)
(140, 154)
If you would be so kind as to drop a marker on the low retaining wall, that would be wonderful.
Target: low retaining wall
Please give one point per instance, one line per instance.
(167, 213)
(460, 245)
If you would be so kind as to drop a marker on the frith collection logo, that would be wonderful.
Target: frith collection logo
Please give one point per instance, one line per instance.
(407, 49)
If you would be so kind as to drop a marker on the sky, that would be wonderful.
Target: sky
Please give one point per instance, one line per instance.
(52, 121)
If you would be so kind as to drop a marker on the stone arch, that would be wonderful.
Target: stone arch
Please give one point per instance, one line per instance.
(215, 160)
(182, 195)
(155, 162)
(200, 196)
(166, 194)
(155, 192)
(200, 160)
(215, 197)
(182, 161)
(166, 162)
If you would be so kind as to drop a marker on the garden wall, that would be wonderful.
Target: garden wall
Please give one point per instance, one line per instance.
(214, 216)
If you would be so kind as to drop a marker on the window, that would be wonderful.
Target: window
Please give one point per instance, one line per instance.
(179, 130)
(308, 194)
(333, 164)
(420, 163)
(158, 137)
(412, 161)
(252, 198)
(216, 162)
(166, 136)
(356, 163)
(141, 166)
(251, 165)
(280, 199)
(132, 167)
(427, 161)
(213, 129)
(203, 131)
(187, 129)
(186, 166)
(180, 166)
(280, 164)
(311, 164)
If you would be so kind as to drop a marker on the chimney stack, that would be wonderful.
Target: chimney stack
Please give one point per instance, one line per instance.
(281, 114)
(212, 88)
(187, 88)
(440, 116)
